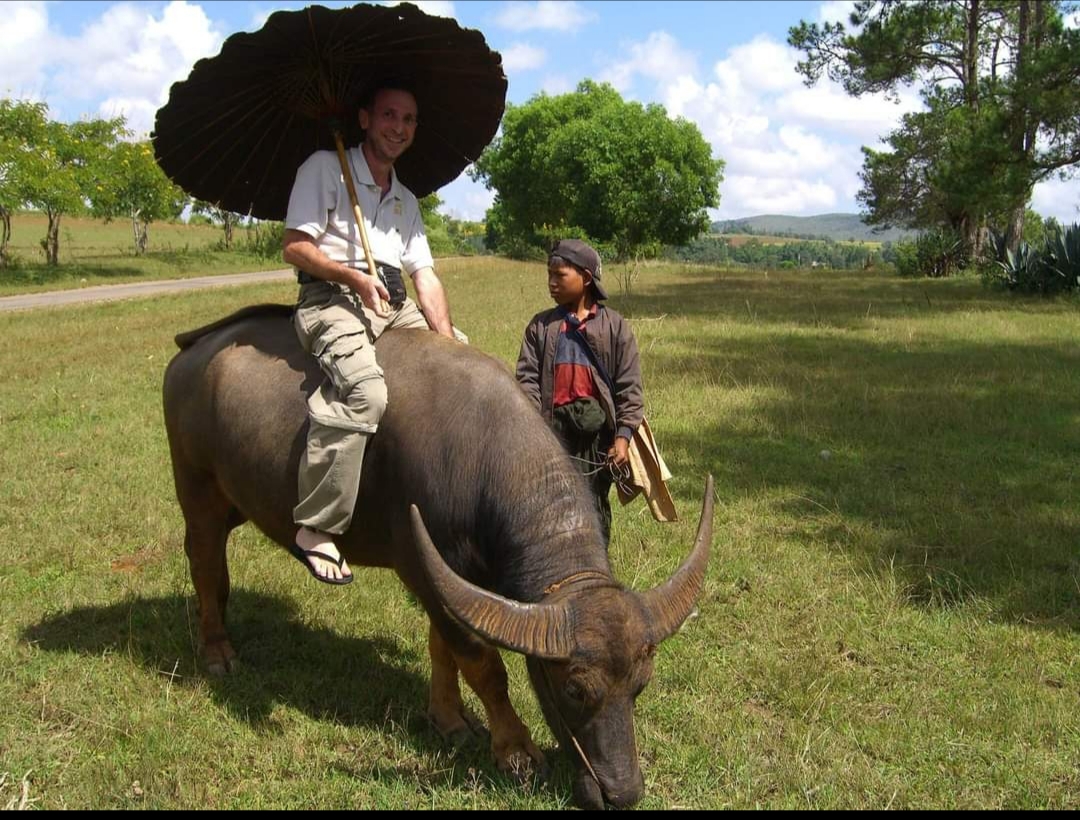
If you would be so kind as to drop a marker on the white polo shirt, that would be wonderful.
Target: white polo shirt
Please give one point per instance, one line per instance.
(319, 206)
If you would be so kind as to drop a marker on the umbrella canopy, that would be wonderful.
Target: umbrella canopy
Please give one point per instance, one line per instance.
(235, 131)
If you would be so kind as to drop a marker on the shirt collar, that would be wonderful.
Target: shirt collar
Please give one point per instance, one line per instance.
(365, 177)
(573, 320)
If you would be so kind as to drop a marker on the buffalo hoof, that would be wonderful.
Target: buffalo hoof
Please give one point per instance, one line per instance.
(463, 730)
(220, 658)
(524, 764)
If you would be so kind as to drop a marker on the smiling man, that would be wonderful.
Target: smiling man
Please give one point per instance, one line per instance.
(339, 312)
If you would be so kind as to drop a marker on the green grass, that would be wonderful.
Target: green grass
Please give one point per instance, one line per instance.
(890, 616)
(94, 252)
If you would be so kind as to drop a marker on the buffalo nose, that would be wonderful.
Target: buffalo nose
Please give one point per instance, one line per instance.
(627, 794)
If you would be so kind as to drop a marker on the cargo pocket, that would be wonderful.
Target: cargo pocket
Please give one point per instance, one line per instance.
(347, 357)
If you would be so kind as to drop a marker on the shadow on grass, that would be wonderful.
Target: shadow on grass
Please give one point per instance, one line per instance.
(372, 682)
(951, 463)
(956, 470)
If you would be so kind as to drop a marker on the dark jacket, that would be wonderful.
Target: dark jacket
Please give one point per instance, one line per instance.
(612, 342)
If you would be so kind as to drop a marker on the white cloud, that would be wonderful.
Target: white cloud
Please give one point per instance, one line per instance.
(836, 11)
(464, 199)
(762, 66)
(659, 58)
(27, 48)
(555, 84)
(1057, 198)
(132, 58)
(523, 57)
(786, 148)
(751, 195)
(545, 14)
(864, 118)
(436, 8)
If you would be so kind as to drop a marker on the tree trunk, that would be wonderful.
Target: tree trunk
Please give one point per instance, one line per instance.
(140, 231)
(5, 235)
(971, 58)
(52, 239)
(971, 231)
(1024, 126)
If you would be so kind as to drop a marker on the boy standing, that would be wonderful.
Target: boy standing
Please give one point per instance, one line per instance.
(579, 365)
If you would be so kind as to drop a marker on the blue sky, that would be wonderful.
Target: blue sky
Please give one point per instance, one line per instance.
(723, 65)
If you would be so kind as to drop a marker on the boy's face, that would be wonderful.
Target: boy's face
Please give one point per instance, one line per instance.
(567, 284)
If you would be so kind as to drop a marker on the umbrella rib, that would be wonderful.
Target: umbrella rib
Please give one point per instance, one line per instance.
(263, 110)
(254, 149)
(277, 149)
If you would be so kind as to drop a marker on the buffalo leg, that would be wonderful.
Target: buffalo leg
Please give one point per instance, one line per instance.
(207, 515)
(511, 743)
(446, 710)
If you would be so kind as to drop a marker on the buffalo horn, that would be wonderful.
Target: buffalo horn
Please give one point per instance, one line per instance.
(539, 630)
(670, 604)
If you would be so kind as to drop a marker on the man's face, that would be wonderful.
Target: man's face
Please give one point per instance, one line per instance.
(390, 124)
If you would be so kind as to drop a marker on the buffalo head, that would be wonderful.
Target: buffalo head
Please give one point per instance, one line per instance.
(589, 647)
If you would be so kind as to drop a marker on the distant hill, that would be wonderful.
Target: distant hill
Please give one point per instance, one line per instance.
(823, 226)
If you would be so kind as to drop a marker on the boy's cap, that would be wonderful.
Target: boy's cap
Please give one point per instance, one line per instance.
(583, 256)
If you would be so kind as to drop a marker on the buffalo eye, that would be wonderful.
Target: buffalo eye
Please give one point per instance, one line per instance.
(574, 691)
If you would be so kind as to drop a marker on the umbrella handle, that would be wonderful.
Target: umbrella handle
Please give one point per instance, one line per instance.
(357, 215)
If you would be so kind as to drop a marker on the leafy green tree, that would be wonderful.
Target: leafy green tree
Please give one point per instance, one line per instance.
(1001, 82)
(67, 169)
(131, 184)
(588, 163)
(22, 130)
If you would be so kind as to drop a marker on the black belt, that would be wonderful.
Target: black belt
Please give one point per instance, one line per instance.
(388, 275)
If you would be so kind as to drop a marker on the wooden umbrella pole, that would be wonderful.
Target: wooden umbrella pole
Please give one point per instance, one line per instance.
(357, 215)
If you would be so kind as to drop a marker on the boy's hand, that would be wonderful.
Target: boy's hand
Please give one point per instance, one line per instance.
(619, 453)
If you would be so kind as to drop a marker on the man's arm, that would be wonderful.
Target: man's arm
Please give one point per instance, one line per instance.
(431, 295)
(299, 250)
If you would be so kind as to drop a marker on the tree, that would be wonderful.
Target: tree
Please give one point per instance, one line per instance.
(227, 219)
(588, 163)
(69, 165)
(131, 184)
(1001, 82)
(22, 129)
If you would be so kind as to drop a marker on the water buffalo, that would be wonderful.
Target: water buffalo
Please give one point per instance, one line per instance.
(469, 497)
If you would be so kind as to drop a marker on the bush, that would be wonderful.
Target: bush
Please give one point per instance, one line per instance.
(1052, 268)
(1063, 255)
(263, 239)
(905, 257)
(937, 253)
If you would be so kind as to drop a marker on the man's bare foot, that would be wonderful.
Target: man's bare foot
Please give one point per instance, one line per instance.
(320, 553)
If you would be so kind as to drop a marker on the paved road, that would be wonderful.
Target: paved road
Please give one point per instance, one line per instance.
(102, 293)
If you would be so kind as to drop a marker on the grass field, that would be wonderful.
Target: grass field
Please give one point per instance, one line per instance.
(94, 252)
(890, 618)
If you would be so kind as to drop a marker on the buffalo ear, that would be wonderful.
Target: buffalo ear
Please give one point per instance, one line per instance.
(538, 630)
(671, 603)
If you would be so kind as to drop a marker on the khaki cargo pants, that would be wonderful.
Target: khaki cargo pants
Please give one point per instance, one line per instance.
(335, 327)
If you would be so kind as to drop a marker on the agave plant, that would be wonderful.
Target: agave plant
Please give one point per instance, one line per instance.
(1063, 255)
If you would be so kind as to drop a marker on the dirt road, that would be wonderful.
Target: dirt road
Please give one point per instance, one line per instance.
(103, 293)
